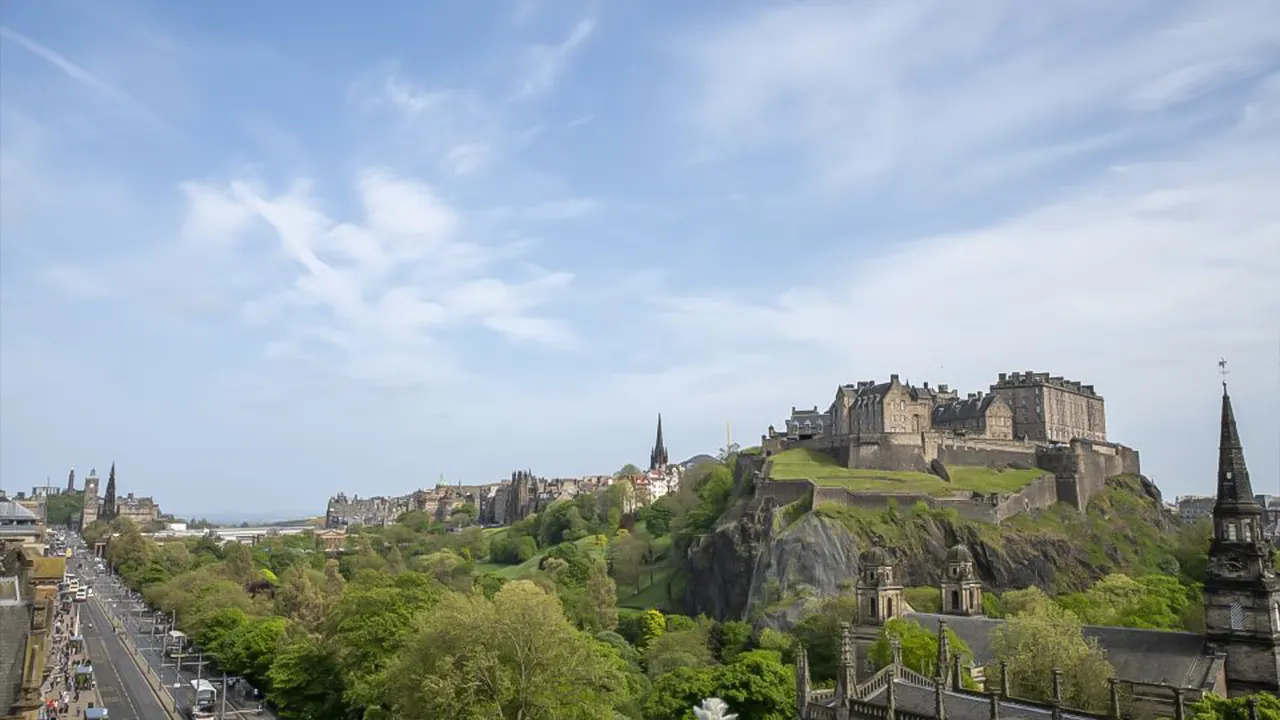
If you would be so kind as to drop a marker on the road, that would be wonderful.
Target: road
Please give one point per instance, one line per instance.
(121, 685)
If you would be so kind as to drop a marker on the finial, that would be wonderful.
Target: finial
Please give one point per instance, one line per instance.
(1223, 371)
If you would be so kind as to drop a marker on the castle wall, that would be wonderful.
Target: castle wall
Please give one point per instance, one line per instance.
(1083, 466)
(784, 492)
(985, 451)
(1037, 495)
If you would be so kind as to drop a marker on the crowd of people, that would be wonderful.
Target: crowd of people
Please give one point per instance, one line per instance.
(67, 682)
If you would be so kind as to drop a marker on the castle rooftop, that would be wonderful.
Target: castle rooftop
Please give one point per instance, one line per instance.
(1031, 378)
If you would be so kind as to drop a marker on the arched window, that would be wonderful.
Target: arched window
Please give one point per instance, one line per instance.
(1236, 616)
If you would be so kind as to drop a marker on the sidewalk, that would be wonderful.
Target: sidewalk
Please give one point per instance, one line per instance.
(61, 661)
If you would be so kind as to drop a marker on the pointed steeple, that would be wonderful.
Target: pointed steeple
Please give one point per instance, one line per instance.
(658, 456)
(109, 502)
(1235, 492)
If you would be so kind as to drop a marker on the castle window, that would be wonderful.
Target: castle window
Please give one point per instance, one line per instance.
(1237, 616)
(1231, 531)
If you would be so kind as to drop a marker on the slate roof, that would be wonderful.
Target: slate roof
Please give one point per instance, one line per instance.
(1139, 655)
(961, 706)
(958, 411)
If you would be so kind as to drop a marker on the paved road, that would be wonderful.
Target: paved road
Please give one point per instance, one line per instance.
(121, 685)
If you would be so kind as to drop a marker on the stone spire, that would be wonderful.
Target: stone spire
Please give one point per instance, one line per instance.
(71, 480)
(802, 678)
(109, 502)
(847, 673)
(1235, 492)
(944, 652)
(658, 456)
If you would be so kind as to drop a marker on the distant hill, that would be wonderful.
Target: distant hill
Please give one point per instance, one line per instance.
(697, 460)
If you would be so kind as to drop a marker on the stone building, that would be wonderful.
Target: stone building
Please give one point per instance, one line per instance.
(19, 526)
(107, 511)
(961, 591)
(1159, 671)
(982, 415)
(89, 510)
(143, 511)
(28, 599)
(1051, 409)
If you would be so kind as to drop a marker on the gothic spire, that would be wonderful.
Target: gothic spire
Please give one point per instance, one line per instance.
(1234, 489)
(109, 502)
(658, 456)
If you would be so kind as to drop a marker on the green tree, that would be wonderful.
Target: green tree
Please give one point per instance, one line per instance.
(512, 657)
(305, 681)
(1213, 707)
(627, 470)
(820, 633)
(918, 644)
(730, 639)
(368, 626)
(1036, 641)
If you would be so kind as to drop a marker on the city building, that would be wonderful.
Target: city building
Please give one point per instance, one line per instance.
(28, 598)
(19, 525)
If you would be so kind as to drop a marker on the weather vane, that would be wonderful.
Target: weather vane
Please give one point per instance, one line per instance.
(1222, 370)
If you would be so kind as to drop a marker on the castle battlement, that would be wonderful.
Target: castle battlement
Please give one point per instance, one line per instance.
(1030, 378)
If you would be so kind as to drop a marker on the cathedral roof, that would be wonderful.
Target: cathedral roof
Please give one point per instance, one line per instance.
(875, 557)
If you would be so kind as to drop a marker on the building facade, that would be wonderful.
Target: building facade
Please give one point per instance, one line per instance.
(1048, 408)
(89, 510)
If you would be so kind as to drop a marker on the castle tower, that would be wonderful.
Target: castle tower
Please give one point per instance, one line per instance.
(878, 591)
(71, 480)
(961, 591)
(108, 511)
(1241, 592)
(658, 456)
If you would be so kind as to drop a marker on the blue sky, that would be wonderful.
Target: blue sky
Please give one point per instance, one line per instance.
(259, 253)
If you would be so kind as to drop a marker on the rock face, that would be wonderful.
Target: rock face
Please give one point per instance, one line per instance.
(753, 567)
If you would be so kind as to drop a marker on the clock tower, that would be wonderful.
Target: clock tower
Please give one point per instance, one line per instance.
(1241, 592)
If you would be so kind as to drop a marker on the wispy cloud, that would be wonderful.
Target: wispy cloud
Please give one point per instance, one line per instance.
(83, 76)
(581, 120)
(900, 90)
(374, 295)
(547, 63)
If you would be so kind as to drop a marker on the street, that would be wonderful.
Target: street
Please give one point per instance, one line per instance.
(137, 623)
(122, 687)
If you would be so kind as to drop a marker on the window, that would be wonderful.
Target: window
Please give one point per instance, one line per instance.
(1237, 616)
(1231, 531)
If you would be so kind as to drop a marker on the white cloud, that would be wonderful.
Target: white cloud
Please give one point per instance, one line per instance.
(1137, 282)
(380, 293)
(547, 63)
(866, 91)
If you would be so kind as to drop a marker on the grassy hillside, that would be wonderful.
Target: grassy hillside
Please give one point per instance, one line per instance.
(592, 544)
(1124, 530)
(822, 469)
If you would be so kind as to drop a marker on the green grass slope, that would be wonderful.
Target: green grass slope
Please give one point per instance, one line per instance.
(822, 469)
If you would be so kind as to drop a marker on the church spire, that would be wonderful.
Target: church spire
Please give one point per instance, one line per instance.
(1235, 492)
(658, 456)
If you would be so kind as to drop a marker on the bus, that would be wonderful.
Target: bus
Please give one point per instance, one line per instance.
(206, 700)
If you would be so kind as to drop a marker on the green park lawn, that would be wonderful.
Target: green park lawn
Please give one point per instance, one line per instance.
(822, 469)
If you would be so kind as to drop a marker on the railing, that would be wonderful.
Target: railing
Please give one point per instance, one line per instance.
(874, 684)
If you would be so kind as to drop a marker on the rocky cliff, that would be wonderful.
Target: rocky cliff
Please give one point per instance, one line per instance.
(767, 563)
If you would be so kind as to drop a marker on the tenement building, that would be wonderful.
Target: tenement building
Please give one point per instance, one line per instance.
(1157, 671)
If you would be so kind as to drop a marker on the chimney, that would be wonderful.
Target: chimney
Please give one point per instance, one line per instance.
(893, 378)
(1003, 377)
(943, 388)
(926, 384)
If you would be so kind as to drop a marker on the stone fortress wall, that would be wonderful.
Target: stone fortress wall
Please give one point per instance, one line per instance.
(1058, 426)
